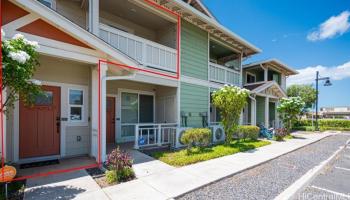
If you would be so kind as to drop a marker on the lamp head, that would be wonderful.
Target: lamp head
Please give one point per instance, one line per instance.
(327, 83)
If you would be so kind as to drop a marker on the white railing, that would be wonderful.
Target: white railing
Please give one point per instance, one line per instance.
(144, 51)
(222, 74)
(147, 135)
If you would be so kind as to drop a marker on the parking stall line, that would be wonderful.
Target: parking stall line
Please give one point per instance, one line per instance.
(331, 191)
(343, 168)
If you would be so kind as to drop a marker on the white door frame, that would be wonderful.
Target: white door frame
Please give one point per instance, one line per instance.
(64, 92)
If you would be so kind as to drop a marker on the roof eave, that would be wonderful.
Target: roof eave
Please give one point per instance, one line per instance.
(253, 49)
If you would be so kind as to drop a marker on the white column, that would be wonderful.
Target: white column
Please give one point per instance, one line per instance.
(94, 16)
(95, 112)
(103, 70)
(266, 73)
(267, 112)
(253, 112)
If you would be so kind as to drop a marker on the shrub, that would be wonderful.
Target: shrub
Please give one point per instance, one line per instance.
(125, 174)
(325, 122)
(230, 100)
(119, 166)
(196, 137)
(251, 132)
(280, 133)
(111, 176)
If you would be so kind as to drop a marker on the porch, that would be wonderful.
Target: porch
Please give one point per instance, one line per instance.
(142, 113)
(261, 109)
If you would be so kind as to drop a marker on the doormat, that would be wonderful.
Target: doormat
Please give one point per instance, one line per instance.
(39, 164)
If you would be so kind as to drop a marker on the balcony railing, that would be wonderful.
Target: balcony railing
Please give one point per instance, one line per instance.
(144, 51)
(148, 135)
(222, 74)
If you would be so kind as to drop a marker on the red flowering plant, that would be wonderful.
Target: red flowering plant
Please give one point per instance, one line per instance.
(119, 166)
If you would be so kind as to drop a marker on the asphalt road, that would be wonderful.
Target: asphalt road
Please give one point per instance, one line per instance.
(270, 179)
(333, 182)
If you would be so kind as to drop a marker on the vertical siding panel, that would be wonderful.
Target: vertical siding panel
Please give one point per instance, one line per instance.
(194, 100)
(194, 51)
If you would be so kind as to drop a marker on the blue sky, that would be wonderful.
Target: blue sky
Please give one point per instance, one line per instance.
(306, 35)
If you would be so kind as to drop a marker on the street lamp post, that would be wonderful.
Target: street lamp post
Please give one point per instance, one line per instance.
(327, 83)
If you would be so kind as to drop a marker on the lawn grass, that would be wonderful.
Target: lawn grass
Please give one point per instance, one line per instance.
(182, 158)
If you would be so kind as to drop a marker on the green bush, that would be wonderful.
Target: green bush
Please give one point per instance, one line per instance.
(343, 123)
(125, 174)
(196, 137)
(111, 176)
(251, 132)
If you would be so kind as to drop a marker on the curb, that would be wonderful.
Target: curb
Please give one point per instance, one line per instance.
(253, 166)
(308, 177)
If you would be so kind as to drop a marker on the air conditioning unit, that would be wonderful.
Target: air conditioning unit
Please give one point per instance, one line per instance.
(218, 133)
(175, 141)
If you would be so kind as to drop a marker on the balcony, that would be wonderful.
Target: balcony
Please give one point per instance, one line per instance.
(224, 75)
(146, 52)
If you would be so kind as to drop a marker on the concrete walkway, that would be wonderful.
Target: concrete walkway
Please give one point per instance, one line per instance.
(176, 181)
(157, 180)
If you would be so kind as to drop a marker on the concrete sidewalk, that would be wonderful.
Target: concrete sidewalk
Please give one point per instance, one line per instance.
(157, 180)
(172, 182)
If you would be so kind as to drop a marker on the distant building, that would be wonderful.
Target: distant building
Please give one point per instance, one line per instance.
(335, 112)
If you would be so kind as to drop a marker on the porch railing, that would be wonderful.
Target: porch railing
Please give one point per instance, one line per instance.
(146, 52)
(222, 74)
(147, 135)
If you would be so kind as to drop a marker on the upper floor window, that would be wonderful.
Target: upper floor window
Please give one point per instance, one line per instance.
(49, 3)
(251, 78)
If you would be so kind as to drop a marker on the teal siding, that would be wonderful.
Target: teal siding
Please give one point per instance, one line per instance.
(194, 51)
(260, 110)
(194, 100)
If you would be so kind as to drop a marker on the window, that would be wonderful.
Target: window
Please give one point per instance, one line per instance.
(76, 103)
(48, 3)
(44, 99)
(135, 108)
(251, 78)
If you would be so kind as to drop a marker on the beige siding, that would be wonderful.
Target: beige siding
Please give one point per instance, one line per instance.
(75, 147)
(73, 11)
(118, 22)
(166, 105)
(62, 71)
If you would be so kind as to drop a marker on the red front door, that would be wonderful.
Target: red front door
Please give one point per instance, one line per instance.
(39, 125)
(110, 119)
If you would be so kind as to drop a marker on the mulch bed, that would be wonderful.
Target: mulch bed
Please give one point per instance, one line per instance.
(99, 176)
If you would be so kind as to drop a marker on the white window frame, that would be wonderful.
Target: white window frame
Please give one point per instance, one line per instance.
(82, 106)
(52, 3)
(251, 74)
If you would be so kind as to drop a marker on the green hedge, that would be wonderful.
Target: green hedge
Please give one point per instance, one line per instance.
(322, 128)
(337, 123)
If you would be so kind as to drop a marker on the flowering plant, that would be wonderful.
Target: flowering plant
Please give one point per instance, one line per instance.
(289, 109)
(230, 100)
(19, 62)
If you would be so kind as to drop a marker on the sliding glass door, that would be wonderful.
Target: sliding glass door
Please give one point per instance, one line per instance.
(135, 108)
